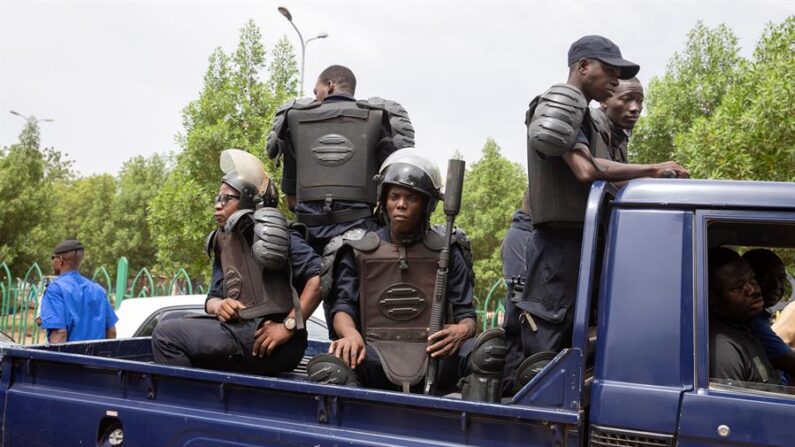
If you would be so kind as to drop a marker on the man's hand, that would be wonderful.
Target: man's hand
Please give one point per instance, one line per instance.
(667, 168)
(270, 335)
(227, 309)
(449, 340)
(349, 349)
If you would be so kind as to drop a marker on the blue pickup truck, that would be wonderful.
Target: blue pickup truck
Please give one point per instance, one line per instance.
(636, 375)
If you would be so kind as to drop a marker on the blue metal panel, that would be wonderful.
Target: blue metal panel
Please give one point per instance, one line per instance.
(161, 405)
(644, 359)
(716, 194)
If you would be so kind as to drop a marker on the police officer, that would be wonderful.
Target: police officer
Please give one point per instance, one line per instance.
(73, 307)
(384, 283)
(332, 147)
(562, 145)
(256, 319)
(617, 116)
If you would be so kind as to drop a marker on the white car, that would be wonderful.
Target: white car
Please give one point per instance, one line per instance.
(139, 316)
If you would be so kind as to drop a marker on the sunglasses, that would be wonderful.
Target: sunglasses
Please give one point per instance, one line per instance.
(223, 199)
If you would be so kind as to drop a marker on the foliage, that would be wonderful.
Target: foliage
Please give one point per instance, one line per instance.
(234, 110)
(693, 86)
(751, 134)
(493, 190)
(28, 175)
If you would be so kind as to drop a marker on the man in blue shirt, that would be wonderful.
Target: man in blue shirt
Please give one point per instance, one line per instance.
(73, 307)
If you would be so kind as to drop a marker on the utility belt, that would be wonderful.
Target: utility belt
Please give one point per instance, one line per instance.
(333, 217)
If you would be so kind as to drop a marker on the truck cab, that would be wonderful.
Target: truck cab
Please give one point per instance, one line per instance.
(637, 373)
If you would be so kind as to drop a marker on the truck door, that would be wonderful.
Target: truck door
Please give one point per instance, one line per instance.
(739, 414)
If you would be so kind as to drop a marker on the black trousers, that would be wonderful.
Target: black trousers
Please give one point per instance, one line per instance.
(208, 343)
(545, 311)
(371, 372)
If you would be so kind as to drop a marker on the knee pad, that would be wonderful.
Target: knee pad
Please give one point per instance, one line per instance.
(530, 367)
(486, 363)
(329, 370)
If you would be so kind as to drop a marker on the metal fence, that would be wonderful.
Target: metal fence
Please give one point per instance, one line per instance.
(21, 297)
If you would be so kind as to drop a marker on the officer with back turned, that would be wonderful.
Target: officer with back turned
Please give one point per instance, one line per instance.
(563, 144)
(332, 147)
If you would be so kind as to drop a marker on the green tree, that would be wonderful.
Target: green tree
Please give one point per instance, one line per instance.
(751, 134)
(28, 175)
(234, 110)
(493, 190)
(693, 86)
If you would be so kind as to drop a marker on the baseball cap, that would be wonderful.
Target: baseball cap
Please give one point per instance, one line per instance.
(603, 49)
(67, 245)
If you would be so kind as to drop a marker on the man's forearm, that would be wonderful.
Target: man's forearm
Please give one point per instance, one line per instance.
(110, 332)
(310, 298)
(344, 324)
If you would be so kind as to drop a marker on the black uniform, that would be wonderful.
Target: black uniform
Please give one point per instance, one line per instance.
(351, 214)
(208, 343)
(558, 201)
(736, 353)
(459, 296)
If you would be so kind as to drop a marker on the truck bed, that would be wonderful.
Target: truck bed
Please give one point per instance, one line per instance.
(86, 383)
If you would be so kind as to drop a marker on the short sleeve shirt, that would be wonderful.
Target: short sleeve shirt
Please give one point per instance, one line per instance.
(78, 305)
(736, 354)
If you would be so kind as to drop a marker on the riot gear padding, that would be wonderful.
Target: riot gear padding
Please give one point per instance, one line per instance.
(329, 370)
(276, 144)
(335, 151)
(271, 238)
(358, 239)
(556, 122)
(486, 362)
(400, 127)
(246, 174)
(262, 292)
(530, 367)
(410, 169)
(556, 195)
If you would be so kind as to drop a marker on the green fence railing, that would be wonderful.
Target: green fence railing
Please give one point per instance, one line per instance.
(21, 297)
(492, 311)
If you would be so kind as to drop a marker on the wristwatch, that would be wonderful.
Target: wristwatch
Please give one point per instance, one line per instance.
(289, 323)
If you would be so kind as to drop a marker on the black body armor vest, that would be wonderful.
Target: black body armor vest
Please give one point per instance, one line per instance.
(556, 196)
(335, 152)
(395, 298)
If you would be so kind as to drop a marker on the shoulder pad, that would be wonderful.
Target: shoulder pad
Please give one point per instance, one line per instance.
(358, 239)
(399, 123)
(209, 244)
(275, 144)
(556, 122)
(236, 218)
(434, 238)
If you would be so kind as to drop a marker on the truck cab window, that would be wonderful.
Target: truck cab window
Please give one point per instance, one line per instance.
(748, 286)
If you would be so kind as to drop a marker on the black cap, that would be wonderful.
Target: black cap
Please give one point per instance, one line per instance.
(602, 48)
(67, 245)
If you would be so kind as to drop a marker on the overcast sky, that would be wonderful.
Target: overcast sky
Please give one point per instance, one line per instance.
(114, 76)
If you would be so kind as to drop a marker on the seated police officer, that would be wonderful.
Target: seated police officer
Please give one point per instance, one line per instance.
(257, 323)
(384, 284)
(332, 148)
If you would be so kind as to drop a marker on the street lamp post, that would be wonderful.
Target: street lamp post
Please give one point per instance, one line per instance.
(286, 13)
(31, 117)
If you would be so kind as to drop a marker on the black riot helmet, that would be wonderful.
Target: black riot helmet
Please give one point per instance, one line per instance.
(246, 174)
(410, 169)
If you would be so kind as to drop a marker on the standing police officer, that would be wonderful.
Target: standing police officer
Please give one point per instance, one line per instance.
(73, 307)
(332, 148)
(562, 145)
(384, 284)
(617, 116)
(256, 324)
